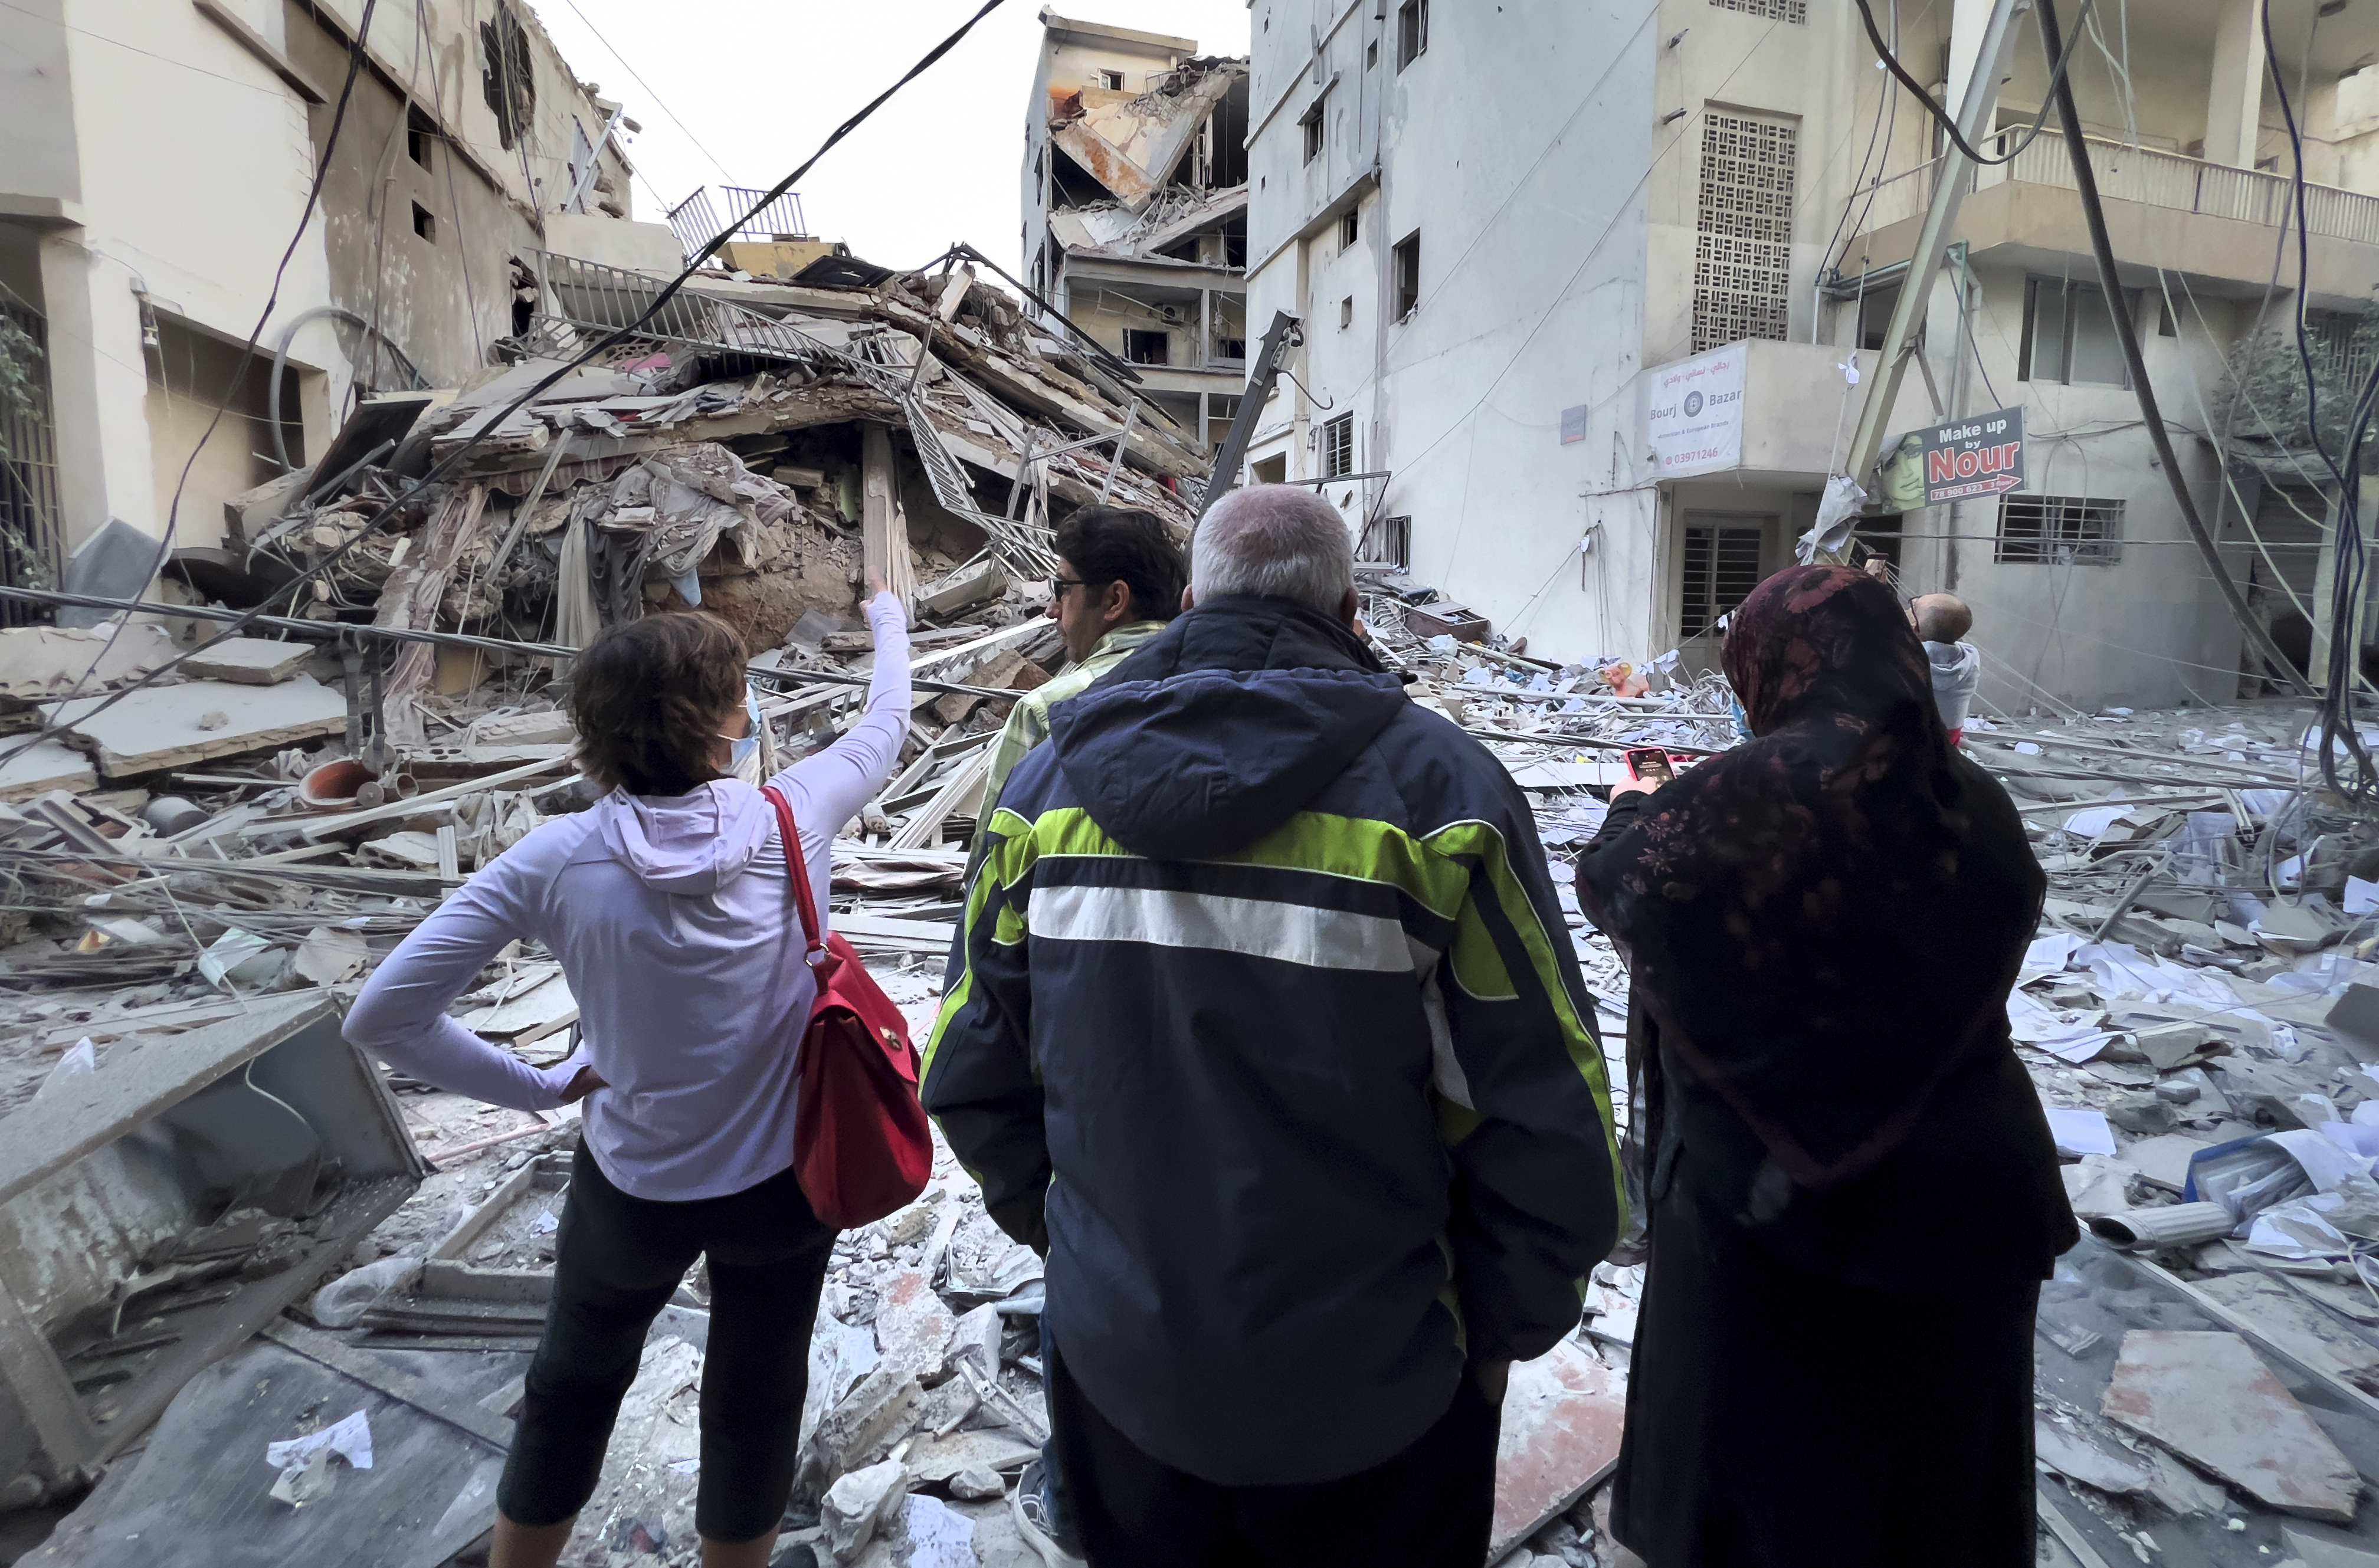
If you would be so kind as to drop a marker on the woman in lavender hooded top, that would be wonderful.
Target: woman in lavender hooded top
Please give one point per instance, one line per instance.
(669, 906)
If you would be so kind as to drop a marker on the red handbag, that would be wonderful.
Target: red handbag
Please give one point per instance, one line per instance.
(861, 1146)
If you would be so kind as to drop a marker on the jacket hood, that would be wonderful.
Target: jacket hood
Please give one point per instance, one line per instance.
(1956, 666)
(1223, 727)
(693, 844)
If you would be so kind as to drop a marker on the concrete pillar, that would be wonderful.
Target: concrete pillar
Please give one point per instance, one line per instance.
(1967, 19)
(99, 391)
(2234, 98)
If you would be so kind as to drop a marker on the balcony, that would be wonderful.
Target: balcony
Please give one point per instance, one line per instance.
(2162, 207)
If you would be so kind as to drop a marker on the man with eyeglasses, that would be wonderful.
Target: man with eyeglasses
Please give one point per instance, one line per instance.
(1119, 581)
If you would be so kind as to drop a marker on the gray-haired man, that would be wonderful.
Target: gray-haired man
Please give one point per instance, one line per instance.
(1263, 1023)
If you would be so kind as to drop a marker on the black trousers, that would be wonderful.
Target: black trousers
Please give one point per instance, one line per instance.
(617, 1258)
(1429, 1507)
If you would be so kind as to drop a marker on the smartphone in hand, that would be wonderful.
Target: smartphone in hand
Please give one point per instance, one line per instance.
(1650, 764)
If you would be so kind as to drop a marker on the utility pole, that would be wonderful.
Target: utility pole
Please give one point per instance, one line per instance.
(1933, 239)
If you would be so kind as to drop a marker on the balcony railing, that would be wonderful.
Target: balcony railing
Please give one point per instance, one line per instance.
(2142, 175)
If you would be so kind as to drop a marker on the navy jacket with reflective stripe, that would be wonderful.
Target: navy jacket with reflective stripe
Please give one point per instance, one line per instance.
(1264, 1023)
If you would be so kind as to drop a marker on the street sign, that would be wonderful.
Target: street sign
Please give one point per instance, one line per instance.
(1982, 455)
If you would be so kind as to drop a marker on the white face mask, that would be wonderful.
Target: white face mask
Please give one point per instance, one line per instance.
(740, 749)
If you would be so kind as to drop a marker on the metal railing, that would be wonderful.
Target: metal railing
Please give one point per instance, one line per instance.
(31, 553)
(2154, 178)
(697, 220)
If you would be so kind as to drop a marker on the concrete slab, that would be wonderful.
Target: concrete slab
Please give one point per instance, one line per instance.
(2208, 1398)
(164, 727)
(912, 1327)
(1562, 1419)
(2299, 1326)
(47, 661)
(41, 767)
(248, 661)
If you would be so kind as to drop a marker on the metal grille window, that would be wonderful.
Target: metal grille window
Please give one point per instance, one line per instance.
(1388, 540)
(1742, 254)
(1796, 11)
(1721, 566)
(1338, 446)
(29, 477)
(2059, 531)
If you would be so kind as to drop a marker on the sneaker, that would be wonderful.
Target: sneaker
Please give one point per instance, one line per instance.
(1029, 1504)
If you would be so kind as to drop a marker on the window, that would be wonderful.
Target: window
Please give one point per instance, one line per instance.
(1722, 567)
(2069, 335)
(424, 225)
(1795, 11)
(1346, 312)
(1271, 470)
(419, 132)
(1338, 446)
(2059, 531)
(1147, 348)
(1347, 231)
(1372, 55)
(1743, 252)
(1389, 541)
(507, 79)
(1311, 126)
(1874, 308)
(1407, 275)
(1221, 409)
(1412, 31)
(1111, 80)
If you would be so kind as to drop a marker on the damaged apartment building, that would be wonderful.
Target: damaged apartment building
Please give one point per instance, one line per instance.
(1511, 236)
(136, 261)
(1135, 209)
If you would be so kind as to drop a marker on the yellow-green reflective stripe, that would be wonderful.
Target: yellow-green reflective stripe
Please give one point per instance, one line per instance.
(1010, 858)
(1482, 840)
(1360, 849)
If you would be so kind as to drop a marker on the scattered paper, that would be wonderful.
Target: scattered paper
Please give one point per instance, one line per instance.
(2080, 1132)
(349, 1438)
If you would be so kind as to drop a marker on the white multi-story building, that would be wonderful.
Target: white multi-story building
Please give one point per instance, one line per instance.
(1135, 209)
(1506, 230)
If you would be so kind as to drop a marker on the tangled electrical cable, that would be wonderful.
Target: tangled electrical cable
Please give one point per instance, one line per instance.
(453, 459)
(2058, 60)
(2339, 731)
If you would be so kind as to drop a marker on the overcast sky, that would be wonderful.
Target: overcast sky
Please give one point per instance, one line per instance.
(740, 91)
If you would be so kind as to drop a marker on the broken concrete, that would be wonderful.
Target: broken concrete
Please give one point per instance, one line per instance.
(2209, 1399)
(248, 661)
(166, 726)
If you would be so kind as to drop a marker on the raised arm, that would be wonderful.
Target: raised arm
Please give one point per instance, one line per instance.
(400, 1017)
(827, 790)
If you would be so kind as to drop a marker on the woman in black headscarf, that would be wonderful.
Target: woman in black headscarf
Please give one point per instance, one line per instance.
(1854, 1195)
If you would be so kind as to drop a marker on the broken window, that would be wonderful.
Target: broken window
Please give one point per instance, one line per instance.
(1407, 275)
(1388, 540)
(28, 471)
(424, 225)
(1774, 11)
(1271, 470)
(2059, 531)
(507, 79)
(1221, 409)
(1412, 31)
(1111, 80)
(2070, 335)
(1338, 446)
(1874, 308)
(1147, 348)
(1721, 566)
(1346, 312)
(1743, 252)
(1311, 126)
(419, 132)
(1346, 232)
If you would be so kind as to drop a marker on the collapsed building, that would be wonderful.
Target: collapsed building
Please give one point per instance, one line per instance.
(1135, 209)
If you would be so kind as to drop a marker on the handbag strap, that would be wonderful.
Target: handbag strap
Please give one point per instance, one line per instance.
(796, 866)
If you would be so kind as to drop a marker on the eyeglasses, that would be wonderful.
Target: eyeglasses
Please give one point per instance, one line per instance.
(1058, 586)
